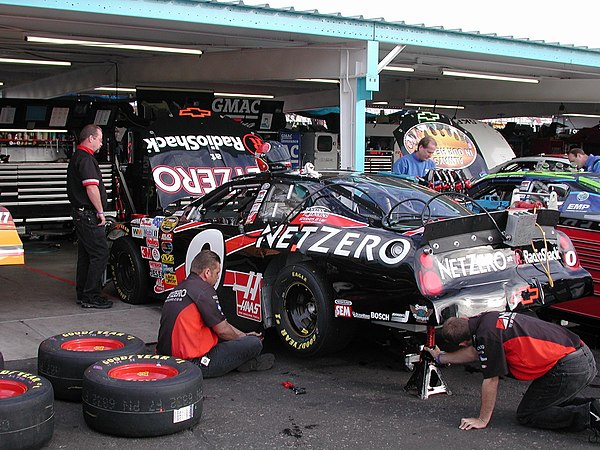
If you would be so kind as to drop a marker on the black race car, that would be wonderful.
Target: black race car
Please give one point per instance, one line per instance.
(312, 254)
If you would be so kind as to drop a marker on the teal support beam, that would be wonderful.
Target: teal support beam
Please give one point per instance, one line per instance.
(290, 21)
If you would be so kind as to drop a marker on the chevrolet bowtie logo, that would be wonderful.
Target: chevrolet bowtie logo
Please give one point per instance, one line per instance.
(195, 112)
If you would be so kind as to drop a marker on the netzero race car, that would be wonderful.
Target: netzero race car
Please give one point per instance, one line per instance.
(312, 254)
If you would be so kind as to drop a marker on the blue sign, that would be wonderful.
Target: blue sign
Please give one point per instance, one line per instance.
(292, 141)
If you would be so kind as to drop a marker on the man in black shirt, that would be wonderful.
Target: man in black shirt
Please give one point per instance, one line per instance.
(556, 360)
(87, 196)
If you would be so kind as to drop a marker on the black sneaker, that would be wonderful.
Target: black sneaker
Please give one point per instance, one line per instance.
(97, 302)
(261, 362)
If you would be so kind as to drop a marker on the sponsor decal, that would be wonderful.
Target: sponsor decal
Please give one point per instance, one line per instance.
(155, 254)
(582, 196)
(169, 224)
(150, 232)
(236, 106)
(167, 259)
(120, 226)
(343, 301)
(455, 150)
(156, 221)
(166, 237)
(197, 113)
(505, 321)
(167, 247)
(473, 264)
(146, 252)
(343, 310)
(421, 313)
(357, 315)
(542, 255)
(380, 316)
(403, 318)
(167, 269)
(170, 278)
(137, 232)
(146, 222)
(191, 142)
(577, 207)
(156, 273)
(247, 288)
(524, 295)
(319, 215)
(155, 265)
(256, 206)
(335, 241)
(159, 287)
(152, 242)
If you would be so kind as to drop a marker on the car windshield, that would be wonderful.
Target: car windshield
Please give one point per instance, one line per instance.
(591, 182)
(396, 202)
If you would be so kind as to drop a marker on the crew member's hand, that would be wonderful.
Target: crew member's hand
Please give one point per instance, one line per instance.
(471, 423)
(433, 351)
(254, 333)
(101, 220)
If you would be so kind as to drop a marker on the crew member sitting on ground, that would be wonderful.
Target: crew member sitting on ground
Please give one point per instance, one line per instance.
(557, 362)
(193, 327)
(418, 163)
(589, 163)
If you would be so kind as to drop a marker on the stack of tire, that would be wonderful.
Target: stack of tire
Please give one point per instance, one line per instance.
(26, 410)
(124, 391)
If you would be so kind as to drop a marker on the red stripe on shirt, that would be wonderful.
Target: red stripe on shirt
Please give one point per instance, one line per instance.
(529, 358)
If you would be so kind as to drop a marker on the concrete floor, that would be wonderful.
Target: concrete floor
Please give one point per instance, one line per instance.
(38, 301)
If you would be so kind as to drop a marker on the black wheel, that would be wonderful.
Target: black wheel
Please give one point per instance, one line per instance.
(304, 312)
(129, 273)
(142, 396)
(62, 359)
(26, 410)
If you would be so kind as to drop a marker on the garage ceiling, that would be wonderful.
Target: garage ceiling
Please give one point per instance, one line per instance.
(267, 61)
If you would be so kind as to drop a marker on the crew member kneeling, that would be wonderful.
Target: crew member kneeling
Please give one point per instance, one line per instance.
(193, 327)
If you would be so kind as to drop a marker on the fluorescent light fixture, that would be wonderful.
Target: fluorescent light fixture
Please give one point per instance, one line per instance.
(318, 80)
(488, 76)
(34, 61)
(113, 45)
(592, 116)
(398, 69)
(379, 103)
(429, 105)
(35, 130)
(112, 89)
(231, 94)
(1, 83)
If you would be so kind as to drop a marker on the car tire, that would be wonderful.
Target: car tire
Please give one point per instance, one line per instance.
(129, 273)
(1, 361)
(26, 410)
(62, 359)
(304, 312)
(142, 396)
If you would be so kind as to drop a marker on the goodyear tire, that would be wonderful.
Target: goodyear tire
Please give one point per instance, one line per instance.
(62, 359)
(135, 396)
(304, 315)
(26, 410)
(129, 272)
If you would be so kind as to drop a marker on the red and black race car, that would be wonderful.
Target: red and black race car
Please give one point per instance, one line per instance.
(312, 254)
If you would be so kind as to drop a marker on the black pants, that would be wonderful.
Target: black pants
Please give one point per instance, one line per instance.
(228, 355)
(92, 254)
(551, 401)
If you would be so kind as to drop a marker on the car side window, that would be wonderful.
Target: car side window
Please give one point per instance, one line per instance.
(280, 201)
(229, 209)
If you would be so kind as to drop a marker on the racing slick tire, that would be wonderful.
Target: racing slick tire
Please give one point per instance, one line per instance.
(142, 396)
(26, 410)
(1, 361)
(63, 358)
(129, 273)
(304, 312)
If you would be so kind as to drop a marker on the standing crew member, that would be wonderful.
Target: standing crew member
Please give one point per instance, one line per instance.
(557, 362)
(418, 163)
(589, 163)
(193, 327)
(87, 196)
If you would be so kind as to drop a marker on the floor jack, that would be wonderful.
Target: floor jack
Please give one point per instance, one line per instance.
(427, 379)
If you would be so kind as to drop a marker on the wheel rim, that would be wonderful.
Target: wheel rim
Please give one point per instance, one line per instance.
(125, 273)
(9, 388)
(301, 309)
(142, 372)
(92, 345)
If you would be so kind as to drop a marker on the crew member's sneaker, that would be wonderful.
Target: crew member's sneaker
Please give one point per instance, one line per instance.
(97, 302)
(595, 418)
(261, 362)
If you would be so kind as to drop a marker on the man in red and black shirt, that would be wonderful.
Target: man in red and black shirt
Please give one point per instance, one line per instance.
(557, 362)
(87, 196)
(193, 327)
